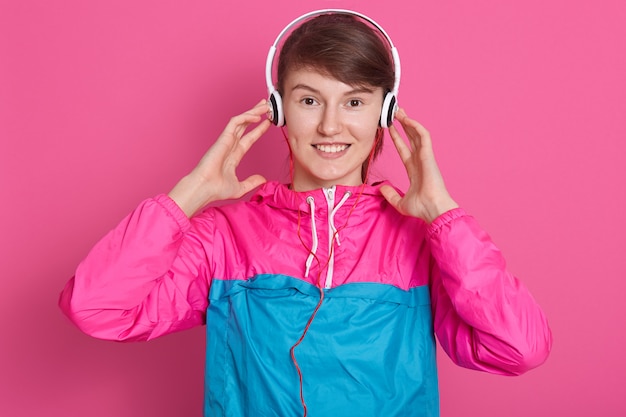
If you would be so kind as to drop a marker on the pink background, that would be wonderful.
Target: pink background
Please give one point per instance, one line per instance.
(104, 103)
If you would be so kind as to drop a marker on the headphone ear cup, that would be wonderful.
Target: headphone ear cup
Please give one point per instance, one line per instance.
(390, 106)
(276, 112)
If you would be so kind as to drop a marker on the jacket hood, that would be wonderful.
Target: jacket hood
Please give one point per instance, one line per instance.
(278, 195)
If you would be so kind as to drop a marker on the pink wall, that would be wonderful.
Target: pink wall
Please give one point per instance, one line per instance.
(105, 103)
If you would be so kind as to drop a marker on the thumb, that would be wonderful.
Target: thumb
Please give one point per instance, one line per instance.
(251, 183)
(391, 195)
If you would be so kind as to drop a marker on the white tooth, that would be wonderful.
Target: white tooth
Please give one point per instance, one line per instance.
(331, 148)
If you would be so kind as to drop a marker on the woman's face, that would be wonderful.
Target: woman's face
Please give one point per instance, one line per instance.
(331, 128)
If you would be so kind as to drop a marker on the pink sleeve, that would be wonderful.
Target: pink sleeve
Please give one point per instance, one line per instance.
(484, 317)
(145, 278)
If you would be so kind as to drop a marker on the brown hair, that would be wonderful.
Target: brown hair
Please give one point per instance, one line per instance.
(345, 48)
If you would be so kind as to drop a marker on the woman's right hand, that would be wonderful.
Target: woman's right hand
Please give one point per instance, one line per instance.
(215, 177)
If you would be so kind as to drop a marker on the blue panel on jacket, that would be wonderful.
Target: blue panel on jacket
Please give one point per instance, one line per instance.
(369, 352)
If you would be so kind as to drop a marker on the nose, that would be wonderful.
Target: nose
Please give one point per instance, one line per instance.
(330, 123)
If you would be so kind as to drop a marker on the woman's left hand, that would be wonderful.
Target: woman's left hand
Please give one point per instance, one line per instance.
(427, 196)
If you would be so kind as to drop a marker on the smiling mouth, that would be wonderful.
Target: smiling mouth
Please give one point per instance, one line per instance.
(331, 148)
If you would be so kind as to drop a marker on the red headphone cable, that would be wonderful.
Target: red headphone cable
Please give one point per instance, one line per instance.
(379, 137)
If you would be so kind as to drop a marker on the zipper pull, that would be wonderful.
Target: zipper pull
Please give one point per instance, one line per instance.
(330, 194)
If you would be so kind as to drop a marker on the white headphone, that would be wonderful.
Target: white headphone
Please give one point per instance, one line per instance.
(390, 103)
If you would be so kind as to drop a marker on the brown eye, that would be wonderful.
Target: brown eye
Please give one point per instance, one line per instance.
(308, 101)
(355, 103)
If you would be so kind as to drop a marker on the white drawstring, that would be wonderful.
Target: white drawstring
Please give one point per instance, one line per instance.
(333, 235)
(332, 216)
(309, 260)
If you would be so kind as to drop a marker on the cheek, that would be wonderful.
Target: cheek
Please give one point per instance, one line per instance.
(294, 117)
(365, 128)
(371, 118)
(294, 131)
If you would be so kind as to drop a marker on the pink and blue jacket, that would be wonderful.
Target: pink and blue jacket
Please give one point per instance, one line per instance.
(250, 272)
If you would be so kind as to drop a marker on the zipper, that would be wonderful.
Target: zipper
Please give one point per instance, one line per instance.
(329, 193)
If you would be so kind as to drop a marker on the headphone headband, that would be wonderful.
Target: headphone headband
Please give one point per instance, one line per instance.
(390, 101)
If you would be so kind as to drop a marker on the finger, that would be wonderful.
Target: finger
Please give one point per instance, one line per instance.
(424, 134)
(234, 142)
(403, 118)
(261, 107)
(401, 146)
(400, 114)
(409, 127)
(391, 195)
(238, 124)
(253, 135)
(245, 143)
(414, 129)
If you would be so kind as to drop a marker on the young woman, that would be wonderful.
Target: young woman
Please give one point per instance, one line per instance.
(320, 297)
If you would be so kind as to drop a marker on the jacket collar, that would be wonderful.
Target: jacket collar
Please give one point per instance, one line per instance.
(278, 195)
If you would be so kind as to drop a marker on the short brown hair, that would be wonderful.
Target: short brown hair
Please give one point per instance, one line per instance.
(341, 46)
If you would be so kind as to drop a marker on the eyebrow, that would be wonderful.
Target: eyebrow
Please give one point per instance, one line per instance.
(357, 90)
